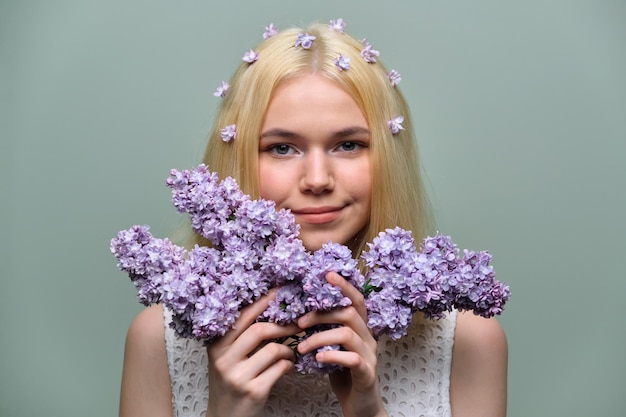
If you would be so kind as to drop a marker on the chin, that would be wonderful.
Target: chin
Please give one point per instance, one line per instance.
(313, 247)
(313, 244)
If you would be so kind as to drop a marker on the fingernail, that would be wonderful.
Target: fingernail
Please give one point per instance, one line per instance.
(302, 347)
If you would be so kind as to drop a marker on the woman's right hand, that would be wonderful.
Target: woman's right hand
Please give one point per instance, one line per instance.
(243, 367)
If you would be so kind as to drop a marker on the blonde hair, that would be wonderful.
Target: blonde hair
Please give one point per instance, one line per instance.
(398, 192)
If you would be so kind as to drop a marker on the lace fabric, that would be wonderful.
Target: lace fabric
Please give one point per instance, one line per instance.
(414, 374)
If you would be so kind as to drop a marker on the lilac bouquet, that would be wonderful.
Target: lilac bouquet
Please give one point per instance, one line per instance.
(256, 248)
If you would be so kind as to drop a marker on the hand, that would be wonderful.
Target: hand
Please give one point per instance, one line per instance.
(243, 366)
(356, 387)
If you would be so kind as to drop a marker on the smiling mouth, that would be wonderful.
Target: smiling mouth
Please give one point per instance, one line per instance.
(318, 215)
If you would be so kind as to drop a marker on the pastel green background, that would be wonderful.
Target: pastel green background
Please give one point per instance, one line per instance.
(520, 108)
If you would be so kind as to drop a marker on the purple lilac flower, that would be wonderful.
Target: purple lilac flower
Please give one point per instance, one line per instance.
(256, 219)
(270, 30)
(244, 285)
(337, 25)
(228, 133)
(215, 313)
(342, 62)
(435, 262)
(180, 290)
(145, 259)
(393, 249)
(250, 56)
(477, 289)
(198, 193)
(287, 306)
(368, 53)
(285, 260)
(305, 40)
(395, 124)
(320, 294)
(222, 90)
(391, 260)
(385, 315)
(394, 77)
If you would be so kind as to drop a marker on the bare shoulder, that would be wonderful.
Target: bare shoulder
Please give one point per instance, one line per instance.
(485, 336)
(147, 330)
(478, 380)
(145, 378)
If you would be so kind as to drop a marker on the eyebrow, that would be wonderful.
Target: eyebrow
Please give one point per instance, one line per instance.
(347, 132)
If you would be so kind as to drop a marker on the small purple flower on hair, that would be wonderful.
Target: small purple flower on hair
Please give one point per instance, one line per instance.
(250, 56)
(338, 25)
(395, 124)
(270, 30)
(368, 53)
(394, 77)
(222, 90)
(343, 63)
(305, 40)
(228, 133)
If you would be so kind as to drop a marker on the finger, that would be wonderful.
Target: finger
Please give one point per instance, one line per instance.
(350, 291)
(346, 359)
(247, 316)
(266, 380)
(235, 357)
(264, 359)
(344, 336)
(361, 375)
(346, 316)
(251, 340)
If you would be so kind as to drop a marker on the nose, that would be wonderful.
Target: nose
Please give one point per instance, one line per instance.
(317, 176)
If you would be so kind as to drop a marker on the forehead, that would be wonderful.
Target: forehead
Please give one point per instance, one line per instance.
(308, 85)
(312, 97)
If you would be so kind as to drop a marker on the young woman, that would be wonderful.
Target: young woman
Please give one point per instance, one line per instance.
(310, 120)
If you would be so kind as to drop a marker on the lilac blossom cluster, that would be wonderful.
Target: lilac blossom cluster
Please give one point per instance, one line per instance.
(255, 248)
(434, 280)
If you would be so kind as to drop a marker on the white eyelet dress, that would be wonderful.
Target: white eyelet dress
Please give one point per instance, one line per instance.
(414, 375)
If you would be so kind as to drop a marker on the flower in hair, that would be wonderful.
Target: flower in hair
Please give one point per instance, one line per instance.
(368, 53)
(222, 90)
(250, 56)
(305, 40)
(270, 30)
(228, 133)
(394, 77)
(337, 25)
(395, 124)
(342, 62)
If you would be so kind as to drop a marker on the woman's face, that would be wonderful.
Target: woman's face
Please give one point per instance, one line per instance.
(314, 159)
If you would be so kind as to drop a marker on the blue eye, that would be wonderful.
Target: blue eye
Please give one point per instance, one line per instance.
(349, 146)
(281, 149)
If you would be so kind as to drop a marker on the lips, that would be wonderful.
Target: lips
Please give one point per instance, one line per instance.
(317, 215)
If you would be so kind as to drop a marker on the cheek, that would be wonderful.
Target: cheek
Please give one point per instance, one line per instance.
(270, 182)
(361, 181)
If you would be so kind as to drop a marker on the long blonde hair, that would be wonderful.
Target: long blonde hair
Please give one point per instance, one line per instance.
(398, 192)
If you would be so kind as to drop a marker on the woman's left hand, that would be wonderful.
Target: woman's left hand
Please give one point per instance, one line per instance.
(356, 386)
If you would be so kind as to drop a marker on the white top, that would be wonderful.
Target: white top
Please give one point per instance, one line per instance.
(414, 374)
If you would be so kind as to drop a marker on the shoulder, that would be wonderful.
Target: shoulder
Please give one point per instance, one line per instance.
(479, 367)
(477, 335)
(147, 330)
(145, 376)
